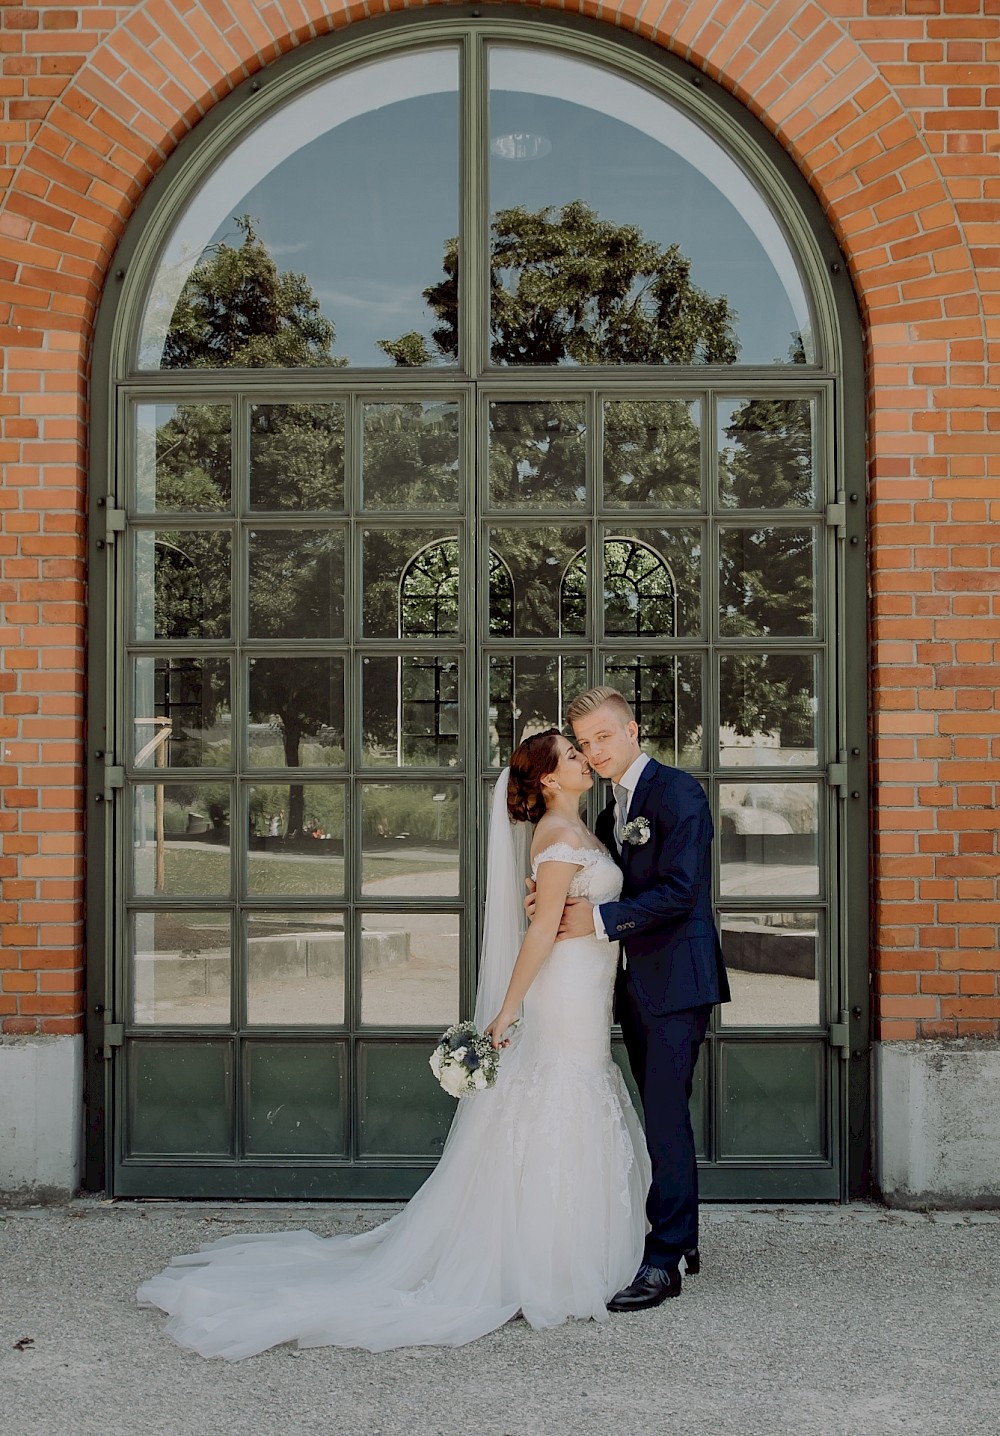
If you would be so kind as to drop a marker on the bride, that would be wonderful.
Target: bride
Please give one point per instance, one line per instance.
(537, 1204)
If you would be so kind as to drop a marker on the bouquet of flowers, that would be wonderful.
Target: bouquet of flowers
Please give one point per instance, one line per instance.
(465, 1061)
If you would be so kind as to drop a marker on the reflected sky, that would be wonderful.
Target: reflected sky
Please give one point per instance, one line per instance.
(355, 184)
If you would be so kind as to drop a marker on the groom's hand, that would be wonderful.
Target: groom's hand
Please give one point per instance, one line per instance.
(577, 919)
(529, 901)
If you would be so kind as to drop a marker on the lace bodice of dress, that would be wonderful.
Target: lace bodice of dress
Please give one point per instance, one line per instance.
(599, 878)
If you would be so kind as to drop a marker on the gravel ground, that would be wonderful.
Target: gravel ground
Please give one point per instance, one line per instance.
(811, 1321)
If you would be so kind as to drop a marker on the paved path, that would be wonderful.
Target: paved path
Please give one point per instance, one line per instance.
(806, 1321)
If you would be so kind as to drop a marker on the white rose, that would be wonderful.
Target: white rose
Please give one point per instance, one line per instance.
(453, 1081)
(479, 1080)
(459, 1054)
(436, 1061)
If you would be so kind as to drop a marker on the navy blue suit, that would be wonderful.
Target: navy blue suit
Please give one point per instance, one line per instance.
(671, 977)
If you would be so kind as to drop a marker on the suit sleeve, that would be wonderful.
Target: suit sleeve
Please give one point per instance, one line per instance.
(680, 864)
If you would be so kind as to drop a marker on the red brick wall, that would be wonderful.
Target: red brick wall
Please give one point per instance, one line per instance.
(890, 107)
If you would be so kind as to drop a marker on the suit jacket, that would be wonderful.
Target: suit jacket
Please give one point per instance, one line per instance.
(664, 917)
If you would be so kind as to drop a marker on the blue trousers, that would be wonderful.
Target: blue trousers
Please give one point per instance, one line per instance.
(662, 1052)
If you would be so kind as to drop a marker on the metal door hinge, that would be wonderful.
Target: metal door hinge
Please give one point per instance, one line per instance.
(114, 780)
(836, 514)
(836, 775)
(114, 1036)
(114, 524)
(840, 1036)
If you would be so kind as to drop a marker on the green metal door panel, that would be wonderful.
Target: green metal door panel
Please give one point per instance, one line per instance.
(295, 1098)
(179, 1095)
(401, 1110)
(772, 1101)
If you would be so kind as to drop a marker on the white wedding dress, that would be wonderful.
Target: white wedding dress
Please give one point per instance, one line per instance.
(536, 1206)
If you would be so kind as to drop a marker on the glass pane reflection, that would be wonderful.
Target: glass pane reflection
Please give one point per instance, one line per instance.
(652, 583)
(766, 453)
(334, 215)
(181, 713)
(538, 454)
(409, 968)
(297, 456)
(773, 963)
(411, 582)
(769, 707)
(527, 694)
(183, 457)
(410, 711)
(296, 839)
(652, 453)
(295, 969)
(409, 839)
(296, 712)
(665, 693)
(181, 967)
(410, 458)
(180, 839)
(623, 233)
(296, 583)
(767, 582)
(768, 837)
(542, 574)
(182, 583)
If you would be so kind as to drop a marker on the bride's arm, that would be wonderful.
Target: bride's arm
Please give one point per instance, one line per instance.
(551, 890)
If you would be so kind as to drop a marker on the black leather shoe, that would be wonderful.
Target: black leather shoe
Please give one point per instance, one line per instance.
(692, 1262)
(651, 1286)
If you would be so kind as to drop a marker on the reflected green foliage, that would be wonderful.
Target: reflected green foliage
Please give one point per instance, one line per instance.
(536, 560)
(770, 693)
(767, 581)
(190, 580)
(297, 456)
(765, 455)
(296, 583)
(185, 463)
(652, 453)
(411, 456)
(568, 287)
(537, 454)
(238, 310)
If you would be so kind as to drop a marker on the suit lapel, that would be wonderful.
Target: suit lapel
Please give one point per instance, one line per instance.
(639, 797)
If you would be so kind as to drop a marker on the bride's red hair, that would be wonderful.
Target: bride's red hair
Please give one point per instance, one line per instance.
(530, 762)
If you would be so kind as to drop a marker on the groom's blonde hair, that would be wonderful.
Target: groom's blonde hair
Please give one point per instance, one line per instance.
(601, 697)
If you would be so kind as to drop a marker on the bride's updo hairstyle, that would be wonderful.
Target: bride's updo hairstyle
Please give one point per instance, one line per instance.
(530, 762)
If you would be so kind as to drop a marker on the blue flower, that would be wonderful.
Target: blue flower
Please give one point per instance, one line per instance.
(471, 1060)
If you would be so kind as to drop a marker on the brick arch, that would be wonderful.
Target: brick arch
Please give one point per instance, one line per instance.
(154, 76)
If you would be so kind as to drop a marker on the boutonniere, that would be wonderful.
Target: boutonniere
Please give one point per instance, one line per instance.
(637, 832)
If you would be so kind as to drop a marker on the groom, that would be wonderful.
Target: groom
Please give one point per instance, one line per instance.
(659, 829)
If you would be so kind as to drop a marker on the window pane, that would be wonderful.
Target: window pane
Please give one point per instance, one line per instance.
(771, 1099)
(295, 969)
(652, 583)
(767, 582)
(313, 241)
(181, 965)
(409, 969)
(769, 839)
(296, 1098)
(399, 1114)
(411, 583)
(181, 713)
(623, 233)
(179, 1097)
(773, 963)
(769, 707)
(296, 583)
(183, 457)
(180, 838)
(410, 839)
(541, 574)
(652, 453)
(528, 694)
(296, 839)
(665, 693)
(411, 456)
(182, 583)
(410, 711)
(297, 456)
(296, 712)
(766, 453)
(538, 455)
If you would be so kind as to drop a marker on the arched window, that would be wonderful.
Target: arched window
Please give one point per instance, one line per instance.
(454, 366)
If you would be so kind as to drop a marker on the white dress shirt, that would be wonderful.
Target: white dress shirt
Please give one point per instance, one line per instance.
(629, 780)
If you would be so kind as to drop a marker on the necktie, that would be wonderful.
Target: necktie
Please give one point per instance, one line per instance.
(621, 810)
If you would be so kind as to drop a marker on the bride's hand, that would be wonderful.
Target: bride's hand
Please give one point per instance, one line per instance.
(497, 1028)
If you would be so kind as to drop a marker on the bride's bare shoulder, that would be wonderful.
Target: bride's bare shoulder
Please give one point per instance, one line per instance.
(551, 829)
